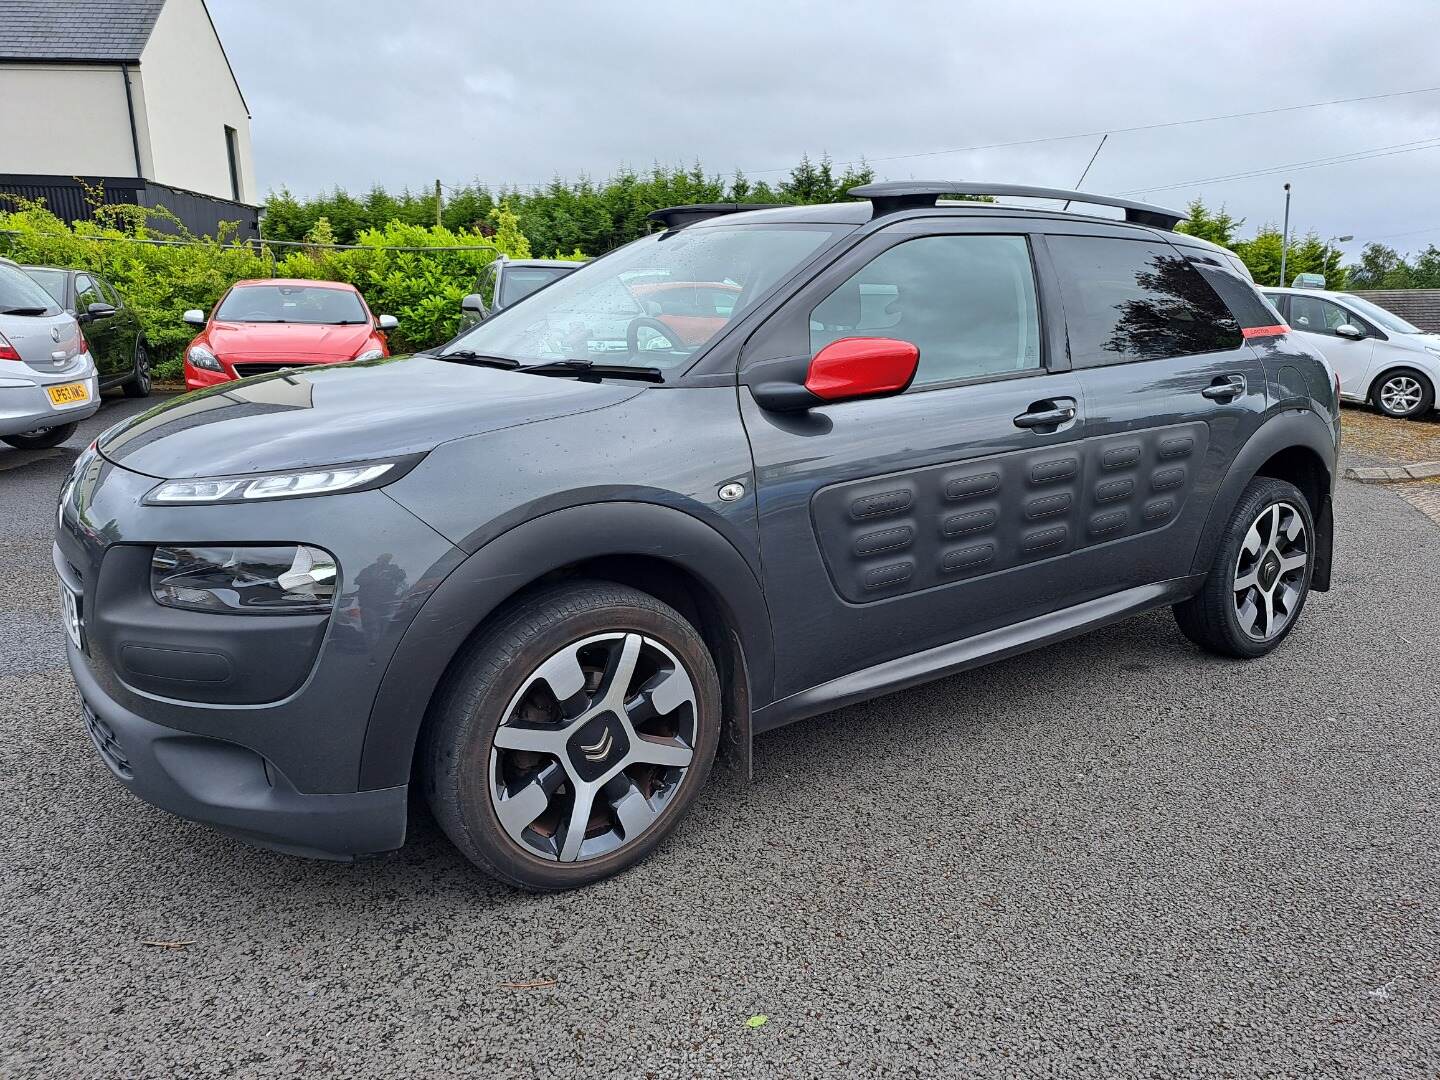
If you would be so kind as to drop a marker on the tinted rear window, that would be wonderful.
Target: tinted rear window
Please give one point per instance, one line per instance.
(1128, 300)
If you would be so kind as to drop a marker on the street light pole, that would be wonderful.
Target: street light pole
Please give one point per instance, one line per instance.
(1325, 251)
(1285, 237)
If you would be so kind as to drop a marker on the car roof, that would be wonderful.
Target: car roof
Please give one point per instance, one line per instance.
(298, 281)
(1301, 292)
(571, 263)
(57, 269)
(861, 212)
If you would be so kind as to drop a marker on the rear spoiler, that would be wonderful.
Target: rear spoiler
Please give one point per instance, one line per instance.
(677, 217)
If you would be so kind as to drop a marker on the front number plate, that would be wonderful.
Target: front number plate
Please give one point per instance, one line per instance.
(70, 393)
(70, 614)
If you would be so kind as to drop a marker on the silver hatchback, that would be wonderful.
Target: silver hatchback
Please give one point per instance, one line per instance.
(48, 382)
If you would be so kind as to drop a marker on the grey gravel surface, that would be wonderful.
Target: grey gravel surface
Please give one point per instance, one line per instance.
(1117, 857)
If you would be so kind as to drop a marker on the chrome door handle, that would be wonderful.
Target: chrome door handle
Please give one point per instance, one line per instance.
(1232, 386)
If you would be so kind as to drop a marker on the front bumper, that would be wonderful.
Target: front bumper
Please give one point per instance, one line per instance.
(233, 789)
(25, 406)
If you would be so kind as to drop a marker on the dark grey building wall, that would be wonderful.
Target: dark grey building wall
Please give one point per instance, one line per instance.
(201, 214)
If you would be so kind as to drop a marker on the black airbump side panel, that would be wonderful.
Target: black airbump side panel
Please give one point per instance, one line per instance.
(925, 528)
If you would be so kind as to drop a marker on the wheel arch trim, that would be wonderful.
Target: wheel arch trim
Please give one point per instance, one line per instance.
(516, 559)
(1294, 429)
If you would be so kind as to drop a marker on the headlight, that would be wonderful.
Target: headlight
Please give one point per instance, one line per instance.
(295, 484)
(370, 354)
(201, 357)
(293, 579)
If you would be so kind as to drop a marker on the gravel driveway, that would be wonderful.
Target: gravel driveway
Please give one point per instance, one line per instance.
(1116, 857)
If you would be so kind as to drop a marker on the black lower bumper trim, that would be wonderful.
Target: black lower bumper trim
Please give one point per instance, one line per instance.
(233, 789)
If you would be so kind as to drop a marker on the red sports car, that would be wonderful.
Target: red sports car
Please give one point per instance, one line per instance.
(262, 326)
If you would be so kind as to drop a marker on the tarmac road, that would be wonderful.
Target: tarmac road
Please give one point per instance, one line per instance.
(1115, 857)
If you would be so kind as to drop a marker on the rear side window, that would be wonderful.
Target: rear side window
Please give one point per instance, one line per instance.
(966, 302)
(1128, 300)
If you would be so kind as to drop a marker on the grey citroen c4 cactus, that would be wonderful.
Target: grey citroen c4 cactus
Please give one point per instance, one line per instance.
(547, 573)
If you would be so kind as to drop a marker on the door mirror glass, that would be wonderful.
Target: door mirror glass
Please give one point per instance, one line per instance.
(1350, 330)
(387, 322)
(195, 317)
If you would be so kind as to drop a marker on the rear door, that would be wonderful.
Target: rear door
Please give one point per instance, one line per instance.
(892, 525)
(1172, 392)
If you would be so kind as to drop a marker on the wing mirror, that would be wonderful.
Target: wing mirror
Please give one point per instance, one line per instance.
(844, 370)
(98, 310)
(1350, 330)
(474, 302)
(195, 317)
(386, 322)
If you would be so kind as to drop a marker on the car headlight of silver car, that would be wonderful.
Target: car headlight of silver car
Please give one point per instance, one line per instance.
(281, 579)
(201, 357)
(289, 484)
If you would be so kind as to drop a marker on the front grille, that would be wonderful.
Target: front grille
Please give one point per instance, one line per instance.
(246, 370)
(103, 735)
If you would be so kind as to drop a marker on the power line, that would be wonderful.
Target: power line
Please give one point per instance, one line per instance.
(1124, 130)
(1430, 143)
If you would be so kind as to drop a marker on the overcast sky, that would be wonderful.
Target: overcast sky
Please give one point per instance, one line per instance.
(356, 92)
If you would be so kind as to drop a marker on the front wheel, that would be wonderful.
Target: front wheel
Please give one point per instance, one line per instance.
(1404, 394)
(139, 383)
(1261, 576)
(572, 735)
(41, 438)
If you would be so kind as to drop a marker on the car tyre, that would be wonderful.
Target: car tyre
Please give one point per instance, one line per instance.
(139, 383)
(511, 799)
(41, 438)
(1405, 394)
(1259, 582)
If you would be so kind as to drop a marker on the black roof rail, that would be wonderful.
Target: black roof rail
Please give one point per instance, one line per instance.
(889, 196)
(677, 217)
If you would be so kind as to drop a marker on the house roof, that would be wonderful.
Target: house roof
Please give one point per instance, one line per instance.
(1418, 306)
(98, 31)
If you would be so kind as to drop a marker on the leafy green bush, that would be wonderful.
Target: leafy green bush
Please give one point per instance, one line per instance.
(159, 281)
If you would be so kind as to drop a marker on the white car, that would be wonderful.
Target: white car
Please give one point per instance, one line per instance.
(1379, 357)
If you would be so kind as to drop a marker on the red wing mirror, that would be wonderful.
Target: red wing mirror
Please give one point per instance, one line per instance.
(861, 367)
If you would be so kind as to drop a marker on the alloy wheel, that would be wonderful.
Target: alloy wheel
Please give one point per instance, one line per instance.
(593, 747)
(1270, 571)
(1400, 395)
(142, 370)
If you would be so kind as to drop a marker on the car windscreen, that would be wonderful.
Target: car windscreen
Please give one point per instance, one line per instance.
(20, 294)
(291, 304)
(519, 282)
(52, 281)
(610, 310)
(1387, 320)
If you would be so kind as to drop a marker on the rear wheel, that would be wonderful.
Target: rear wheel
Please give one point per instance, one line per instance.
(138, 385)
(1261, 577)
(1405, 394)
(572, 735)
(40, 438)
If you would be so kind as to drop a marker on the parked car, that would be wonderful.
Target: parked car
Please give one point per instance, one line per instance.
(262, 326)
(545, 580)
(117, 342)
(1380, 358)
(48, 382)
(507, 281)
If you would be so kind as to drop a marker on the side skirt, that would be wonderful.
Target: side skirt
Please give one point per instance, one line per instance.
(971, 652)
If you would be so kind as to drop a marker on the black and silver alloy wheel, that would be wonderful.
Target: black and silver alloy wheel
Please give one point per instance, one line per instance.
(571, 734)
(593, 747)
(139, 383)
(1404, 394)
(1260, 577)
(1270, 571)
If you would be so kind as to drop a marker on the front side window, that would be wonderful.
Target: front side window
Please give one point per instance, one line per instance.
(86, 293)
(611, 310)
(1128, 300)
(291, 304)
(1383, 317)
(966, 302)
(1316, 315)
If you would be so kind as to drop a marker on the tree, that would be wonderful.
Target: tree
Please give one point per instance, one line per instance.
(1218, 228)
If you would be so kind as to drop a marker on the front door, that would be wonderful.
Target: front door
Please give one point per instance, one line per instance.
(1319, 321)
(101, 334)
(892, 525)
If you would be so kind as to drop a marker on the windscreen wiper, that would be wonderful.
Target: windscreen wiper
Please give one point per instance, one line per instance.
(23, 311)
(470, 356)
(589, 368)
